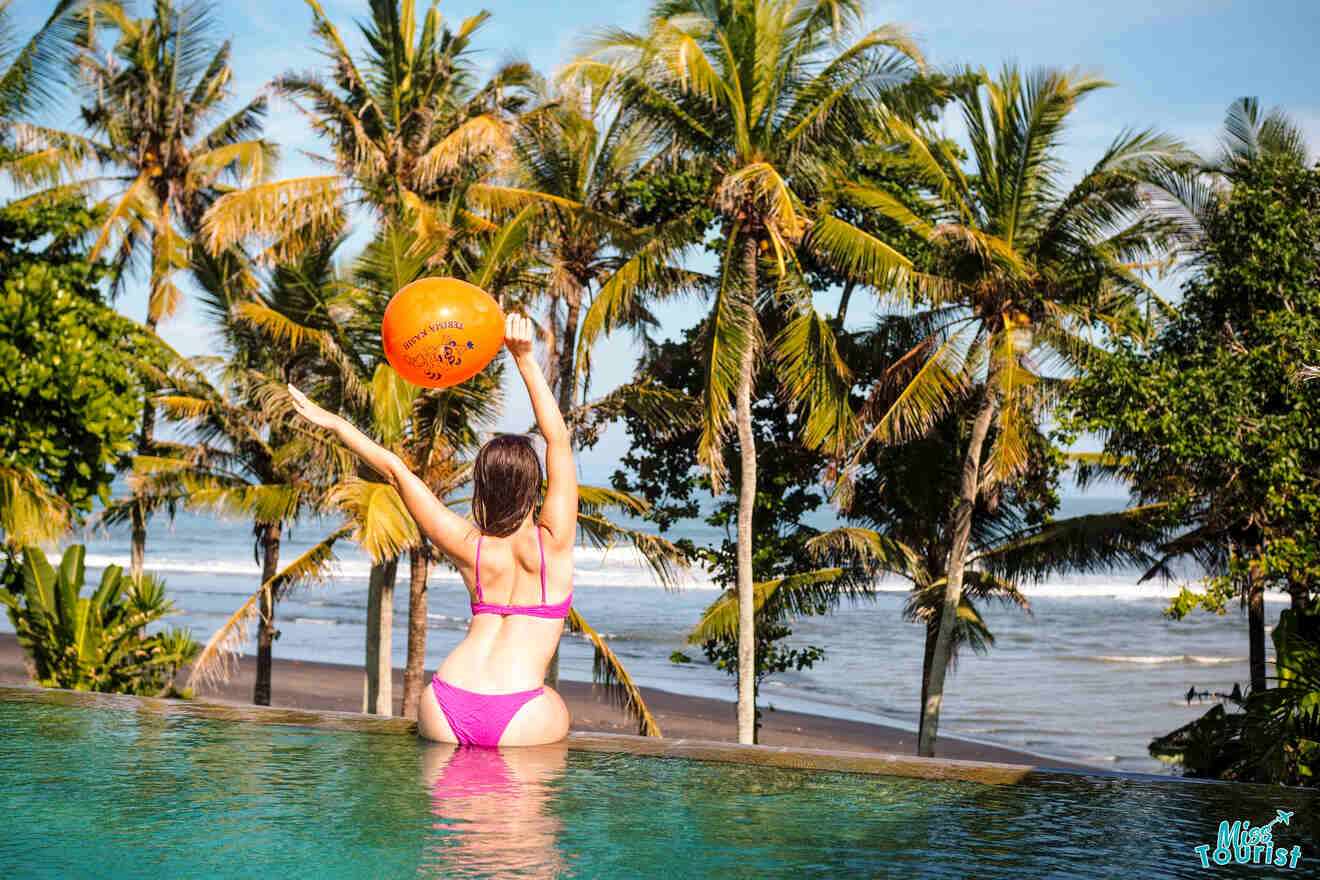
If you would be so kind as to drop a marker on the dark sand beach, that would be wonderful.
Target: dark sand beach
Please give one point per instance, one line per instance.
(305, 684)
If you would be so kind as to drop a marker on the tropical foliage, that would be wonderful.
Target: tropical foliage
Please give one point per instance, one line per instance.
(69, 396)
(1025, 278)
(803, 154)
(1210, 419)
(98, 642)
(1269, 736)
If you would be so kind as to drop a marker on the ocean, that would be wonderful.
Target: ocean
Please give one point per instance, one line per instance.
(1093, 673)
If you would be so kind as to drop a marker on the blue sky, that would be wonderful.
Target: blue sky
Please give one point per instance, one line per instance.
(1175, 64)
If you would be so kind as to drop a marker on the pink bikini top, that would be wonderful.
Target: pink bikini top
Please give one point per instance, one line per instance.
(554, 612)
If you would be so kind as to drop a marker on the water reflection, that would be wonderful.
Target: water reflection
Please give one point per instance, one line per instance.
(491, 811)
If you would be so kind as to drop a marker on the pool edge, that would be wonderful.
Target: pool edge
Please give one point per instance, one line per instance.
(788, 757)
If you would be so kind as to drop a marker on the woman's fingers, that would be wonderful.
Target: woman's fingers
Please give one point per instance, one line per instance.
(518, 332)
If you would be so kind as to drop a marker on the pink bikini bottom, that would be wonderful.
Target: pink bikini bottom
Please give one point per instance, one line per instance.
(479, 719)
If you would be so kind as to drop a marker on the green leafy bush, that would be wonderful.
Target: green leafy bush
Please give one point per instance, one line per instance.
(1274, 736)
(70, 399)
(97, 642)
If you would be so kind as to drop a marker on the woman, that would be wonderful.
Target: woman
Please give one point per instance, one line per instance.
(518, 569)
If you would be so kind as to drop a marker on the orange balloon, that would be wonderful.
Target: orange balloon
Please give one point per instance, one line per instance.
(441, 331)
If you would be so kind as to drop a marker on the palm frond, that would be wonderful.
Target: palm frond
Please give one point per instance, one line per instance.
(219, 658)
(1080, 543)
(608, 671)
(29, 513)
(869, 549)
(381, 522)
(309, 205)
(663, 557)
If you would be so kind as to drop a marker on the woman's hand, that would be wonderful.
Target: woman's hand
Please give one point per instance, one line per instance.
(310, 411)
(518, 335)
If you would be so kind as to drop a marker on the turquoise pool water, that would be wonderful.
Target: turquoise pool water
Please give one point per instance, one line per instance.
(111, 794)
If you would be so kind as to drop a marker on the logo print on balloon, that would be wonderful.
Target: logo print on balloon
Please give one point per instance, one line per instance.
(437, 361)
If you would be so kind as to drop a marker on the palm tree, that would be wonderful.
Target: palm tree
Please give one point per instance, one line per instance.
(165, 79)
(768, 95)
(575, 175)
(565, 201)
(162, 81)
(407, 124)
(1026, 275)
(243, 462)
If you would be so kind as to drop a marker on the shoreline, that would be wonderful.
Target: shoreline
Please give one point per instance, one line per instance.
(307, 684)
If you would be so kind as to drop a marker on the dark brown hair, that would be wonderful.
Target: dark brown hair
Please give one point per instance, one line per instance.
(506, 483)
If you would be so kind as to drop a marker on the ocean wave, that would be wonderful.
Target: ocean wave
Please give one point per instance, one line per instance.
(588, 572)
(625, 568)
(1158, 659)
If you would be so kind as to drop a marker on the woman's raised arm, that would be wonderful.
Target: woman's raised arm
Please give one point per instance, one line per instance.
(448, 531)
(559, 511)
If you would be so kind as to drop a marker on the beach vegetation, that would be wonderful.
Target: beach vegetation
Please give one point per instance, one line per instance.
(239, 460)
(774, 97)
(1211, 419)
(69, 393)
(156, 144)
(98, 642)
(1029, 277)
(1270, 735)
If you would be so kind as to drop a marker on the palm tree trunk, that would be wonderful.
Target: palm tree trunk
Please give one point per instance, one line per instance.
(270, 561)
(843, 302)
(960, 531)
(566, 391)
(928, 656)
(145, 441)
(139, 547)
(377, 698)
(566, 383)
(746, 501)
(1256, 629)
(414, 672)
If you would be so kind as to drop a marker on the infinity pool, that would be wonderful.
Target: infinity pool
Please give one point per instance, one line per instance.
(109, 793)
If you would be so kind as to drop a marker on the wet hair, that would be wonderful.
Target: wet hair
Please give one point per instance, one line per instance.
(506, 482)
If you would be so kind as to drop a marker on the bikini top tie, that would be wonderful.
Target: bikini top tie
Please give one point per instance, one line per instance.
(557, 611)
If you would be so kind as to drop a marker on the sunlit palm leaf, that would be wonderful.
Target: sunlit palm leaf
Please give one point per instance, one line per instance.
(29, 513)
(733, 330)
(310, 205)
(381, 522)
(665, 559)
(813, 375)
(796, 594)
(471, 141)
(607, 671)
(218, 660)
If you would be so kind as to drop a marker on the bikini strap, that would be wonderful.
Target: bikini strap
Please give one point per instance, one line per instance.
(478, 567)
(541, 545)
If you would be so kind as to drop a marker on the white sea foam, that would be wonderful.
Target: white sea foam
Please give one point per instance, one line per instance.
(1157, 659)
(620, 567)
(625, 567)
